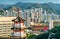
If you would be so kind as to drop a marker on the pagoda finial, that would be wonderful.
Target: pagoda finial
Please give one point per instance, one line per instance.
(18, 12)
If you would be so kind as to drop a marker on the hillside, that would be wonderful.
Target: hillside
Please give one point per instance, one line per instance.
(49, 7)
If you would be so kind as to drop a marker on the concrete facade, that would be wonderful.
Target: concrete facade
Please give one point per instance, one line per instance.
(5, 26)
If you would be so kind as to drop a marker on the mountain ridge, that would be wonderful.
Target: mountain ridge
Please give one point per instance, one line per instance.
(49, 7)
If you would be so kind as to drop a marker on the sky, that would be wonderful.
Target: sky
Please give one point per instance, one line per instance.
(31, 1)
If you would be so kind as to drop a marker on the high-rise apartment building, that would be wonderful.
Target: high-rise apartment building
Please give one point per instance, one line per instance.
(5, 26)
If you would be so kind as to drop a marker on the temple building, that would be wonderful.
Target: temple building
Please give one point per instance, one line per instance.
(18, 27)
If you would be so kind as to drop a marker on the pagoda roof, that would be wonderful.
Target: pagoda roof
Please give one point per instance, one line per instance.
(18, 19)
(38, 24)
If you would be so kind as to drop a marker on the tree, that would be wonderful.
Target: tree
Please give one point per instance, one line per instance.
(56, 30)
(31, 36)
(1, 12)
(42, 36)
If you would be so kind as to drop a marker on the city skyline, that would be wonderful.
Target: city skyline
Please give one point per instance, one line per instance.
(27, 1)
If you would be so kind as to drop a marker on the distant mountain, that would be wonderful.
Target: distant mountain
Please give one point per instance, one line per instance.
(55, 7)
(4, 6)
(49, 7)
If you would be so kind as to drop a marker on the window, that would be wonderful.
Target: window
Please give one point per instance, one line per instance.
(31, 19)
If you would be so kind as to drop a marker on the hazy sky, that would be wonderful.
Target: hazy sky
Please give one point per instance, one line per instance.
(34, 1)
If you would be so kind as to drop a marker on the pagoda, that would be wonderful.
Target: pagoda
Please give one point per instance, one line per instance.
(18, 27)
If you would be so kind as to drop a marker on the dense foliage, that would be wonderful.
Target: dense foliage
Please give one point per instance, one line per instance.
(41, 36)
(56, 30)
